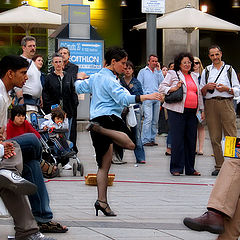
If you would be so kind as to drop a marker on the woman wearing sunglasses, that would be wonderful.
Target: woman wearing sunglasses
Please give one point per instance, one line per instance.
(198, 68)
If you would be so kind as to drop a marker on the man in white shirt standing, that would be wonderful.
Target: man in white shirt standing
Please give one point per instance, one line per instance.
(13, 188)
(219, 84)
(31, 93)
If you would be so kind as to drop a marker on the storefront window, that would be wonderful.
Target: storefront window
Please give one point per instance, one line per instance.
(10, 37)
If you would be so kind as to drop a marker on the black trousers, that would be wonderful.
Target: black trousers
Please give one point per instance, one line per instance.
(184, 134)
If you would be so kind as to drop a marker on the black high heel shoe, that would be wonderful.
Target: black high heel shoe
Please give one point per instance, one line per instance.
(106, 213)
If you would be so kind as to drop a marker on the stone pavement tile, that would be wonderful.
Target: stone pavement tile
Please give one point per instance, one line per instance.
(79, 233)
(6, 230)
(124, 233)
(191, 235)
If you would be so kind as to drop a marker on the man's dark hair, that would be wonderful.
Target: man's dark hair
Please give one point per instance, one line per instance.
(18, 110)
(214, 46)
(116, 53)
(64, 48)
(26, 39)
(57, 112)
(12, 62)
(152, 55)
(179, 58)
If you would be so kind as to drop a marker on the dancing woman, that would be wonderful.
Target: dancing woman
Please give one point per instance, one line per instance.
(106, 127)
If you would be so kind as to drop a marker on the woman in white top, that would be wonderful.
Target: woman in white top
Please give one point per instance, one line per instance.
(198, 68)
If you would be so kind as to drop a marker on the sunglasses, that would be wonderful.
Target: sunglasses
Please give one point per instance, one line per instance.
(196, 63)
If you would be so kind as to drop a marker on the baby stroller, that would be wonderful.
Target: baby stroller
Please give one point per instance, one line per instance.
(48, 143)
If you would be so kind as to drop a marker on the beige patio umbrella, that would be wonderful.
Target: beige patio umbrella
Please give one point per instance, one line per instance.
(190, 19)
(29, 17)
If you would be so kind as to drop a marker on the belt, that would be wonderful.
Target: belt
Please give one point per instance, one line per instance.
(28, 96)
(221, 98)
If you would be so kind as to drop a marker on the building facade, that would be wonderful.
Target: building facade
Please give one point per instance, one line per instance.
(113, 23)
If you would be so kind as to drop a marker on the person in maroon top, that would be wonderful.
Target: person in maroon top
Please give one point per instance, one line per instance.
(18, 125)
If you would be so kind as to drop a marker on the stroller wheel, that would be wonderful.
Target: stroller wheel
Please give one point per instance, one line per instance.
(74, 169)
(80, 169)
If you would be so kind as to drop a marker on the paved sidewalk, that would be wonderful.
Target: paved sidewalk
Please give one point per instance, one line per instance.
(149, 202)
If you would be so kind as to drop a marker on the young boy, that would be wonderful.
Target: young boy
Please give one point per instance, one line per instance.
(58, 121)
(18, 124)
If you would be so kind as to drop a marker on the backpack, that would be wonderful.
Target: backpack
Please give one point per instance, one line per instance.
(229, 74)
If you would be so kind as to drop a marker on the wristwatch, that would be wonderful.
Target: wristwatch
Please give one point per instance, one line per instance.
(230, 90)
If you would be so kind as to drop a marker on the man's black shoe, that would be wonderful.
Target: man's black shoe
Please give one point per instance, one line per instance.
(215, 172)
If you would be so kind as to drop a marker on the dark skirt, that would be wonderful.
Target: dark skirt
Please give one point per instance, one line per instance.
(100, 142)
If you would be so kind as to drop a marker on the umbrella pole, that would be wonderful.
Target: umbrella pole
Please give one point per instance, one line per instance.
(189, 32)
(151, 36)
(189, 42)
(27, 32)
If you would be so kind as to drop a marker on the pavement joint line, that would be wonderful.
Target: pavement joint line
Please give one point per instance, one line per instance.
(171, 235)
(122, 225)
(144, 182)
(89, 228)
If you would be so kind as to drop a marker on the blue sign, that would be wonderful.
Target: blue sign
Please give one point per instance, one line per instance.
(87, 54)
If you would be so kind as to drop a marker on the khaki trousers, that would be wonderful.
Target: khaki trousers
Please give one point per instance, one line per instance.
(220, 117)
(18, 205)
(225, 197)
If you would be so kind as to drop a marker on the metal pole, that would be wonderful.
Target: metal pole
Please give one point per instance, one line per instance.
(189, 41)
(151, 34)
(189, 32)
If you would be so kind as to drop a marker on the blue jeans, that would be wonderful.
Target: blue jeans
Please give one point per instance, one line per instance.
(151, 110)
(139, 150)
(69, 127)
(32, 152)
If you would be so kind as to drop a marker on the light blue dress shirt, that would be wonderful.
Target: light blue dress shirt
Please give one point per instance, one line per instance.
(150, 80)
(108, 96)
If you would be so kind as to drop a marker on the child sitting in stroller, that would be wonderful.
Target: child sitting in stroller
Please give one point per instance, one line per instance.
(18, 125)
(54, 126)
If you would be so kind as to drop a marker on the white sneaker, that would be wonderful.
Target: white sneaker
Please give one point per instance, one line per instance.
(39, 236)
(67, 167)
(15, 183)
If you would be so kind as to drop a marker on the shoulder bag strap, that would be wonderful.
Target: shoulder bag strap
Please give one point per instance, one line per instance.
(219, 74)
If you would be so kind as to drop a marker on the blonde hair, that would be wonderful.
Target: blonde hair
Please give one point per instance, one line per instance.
(200, 63)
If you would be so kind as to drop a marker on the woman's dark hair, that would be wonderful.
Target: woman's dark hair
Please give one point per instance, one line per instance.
(36, 56)
(57, 112)
(170, 64)
(130, 64)
(116, 53)
(164, 66)
(18, 110)
(56, 55)
(179, 58)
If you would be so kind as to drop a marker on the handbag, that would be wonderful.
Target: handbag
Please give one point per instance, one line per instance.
(131, 117)
(176, 96)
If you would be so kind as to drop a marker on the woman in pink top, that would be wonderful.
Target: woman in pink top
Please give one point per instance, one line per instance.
(182, 115)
